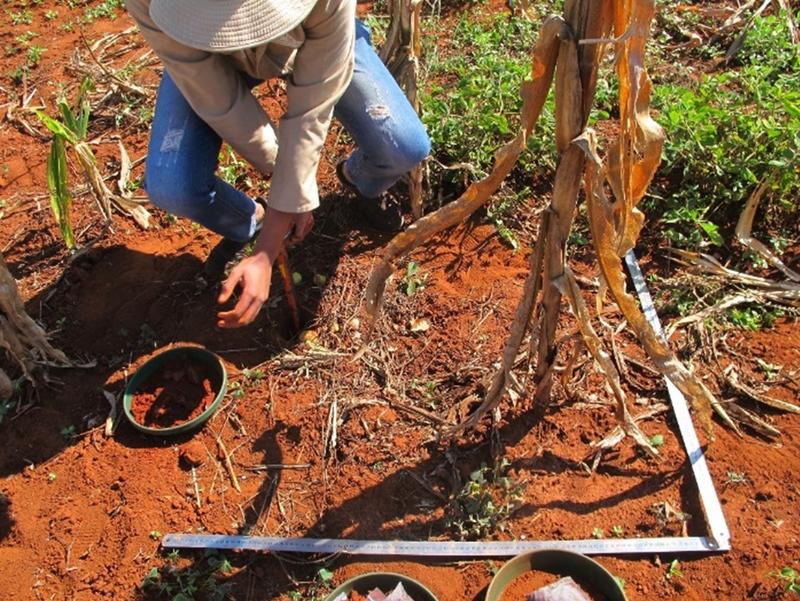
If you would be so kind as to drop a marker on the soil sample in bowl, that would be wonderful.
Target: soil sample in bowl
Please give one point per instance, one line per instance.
(543, 586)
(177, 392)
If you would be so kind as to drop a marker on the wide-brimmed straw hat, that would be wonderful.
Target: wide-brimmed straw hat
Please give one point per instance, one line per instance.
(228, 25)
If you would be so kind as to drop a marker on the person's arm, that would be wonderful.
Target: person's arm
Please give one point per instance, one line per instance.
(215, 90)
(322, 70)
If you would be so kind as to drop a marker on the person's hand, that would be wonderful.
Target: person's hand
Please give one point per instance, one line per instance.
(253, 275)
(301, 227)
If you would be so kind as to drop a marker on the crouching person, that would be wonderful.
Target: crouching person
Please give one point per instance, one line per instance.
(214, 52)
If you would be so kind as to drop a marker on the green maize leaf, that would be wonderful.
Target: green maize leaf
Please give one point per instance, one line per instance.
(83, 119)
(69, 117)
(60, 199)
(56, 127)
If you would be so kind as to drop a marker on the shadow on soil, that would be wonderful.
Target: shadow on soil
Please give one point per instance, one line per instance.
(368, 516)
(6, 521)
(117, 303)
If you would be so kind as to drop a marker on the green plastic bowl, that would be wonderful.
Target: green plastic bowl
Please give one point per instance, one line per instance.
(582, 569)
(194, 355)
(385, 581)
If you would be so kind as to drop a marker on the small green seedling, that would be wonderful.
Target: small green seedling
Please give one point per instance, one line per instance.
(790, 579)
(736, 477)
(485, 503)
(771, 370)
(319, 279)
(254, 375)
(598, 533)
(297, 278)
(617, 531)
(413, 282)
(68, 433)
(657, 440)
(236, 390)
(198, 580)
(155, 534)
(51, 476)
(674, 571)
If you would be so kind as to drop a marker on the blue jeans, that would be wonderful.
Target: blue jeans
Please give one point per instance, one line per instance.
(180, 179)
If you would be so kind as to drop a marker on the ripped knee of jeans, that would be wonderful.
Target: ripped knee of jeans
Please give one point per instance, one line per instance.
(378, 111)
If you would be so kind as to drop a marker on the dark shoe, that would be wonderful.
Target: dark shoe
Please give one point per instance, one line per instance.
(226, 251)
(383, 213)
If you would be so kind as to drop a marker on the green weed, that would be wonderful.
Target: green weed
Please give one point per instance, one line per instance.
(316, 589)
(106, 9)
(23, 17)
(674, 570)
(413, 281)
(34, 54)
(735, 477)
(789, 579)
(753, 317)
(485, 502)
(194, 581)
(8, 405)
(726, 134)
(471, 95)
(233, 170)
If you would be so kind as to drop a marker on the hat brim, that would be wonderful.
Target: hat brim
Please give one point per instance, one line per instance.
(227, 25)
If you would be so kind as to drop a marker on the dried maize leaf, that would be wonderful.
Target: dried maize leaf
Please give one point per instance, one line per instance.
(575, 86)
(534, 94)
(401, 53)
(744, 228)
(522, 317)
(710, 265)
(733, 380)
(569, 288)
(604, 236)
(103, 195)
(752, 421)
(634, 158)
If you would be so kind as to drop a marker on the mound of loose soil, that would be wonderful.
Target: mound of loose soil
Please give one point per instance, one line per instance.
(177, 392)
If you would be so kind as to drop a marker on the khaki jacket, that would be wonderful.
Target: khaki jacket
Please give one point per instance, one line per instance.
(316, 59)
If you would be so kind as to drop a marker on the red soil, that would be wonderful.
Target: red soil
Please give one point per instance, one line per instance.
(78, 516)
(177, 392)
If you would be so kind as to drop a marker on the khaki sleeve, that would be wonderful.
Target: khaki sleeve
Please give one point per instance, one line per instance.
(322, 71)
(215, 90)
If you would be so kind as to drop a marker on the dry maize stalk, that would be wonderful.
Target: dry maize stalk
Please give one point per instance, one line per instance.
(534, 94)
(401, 54)
(575, 85)
(743, 233)
(21, 336)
